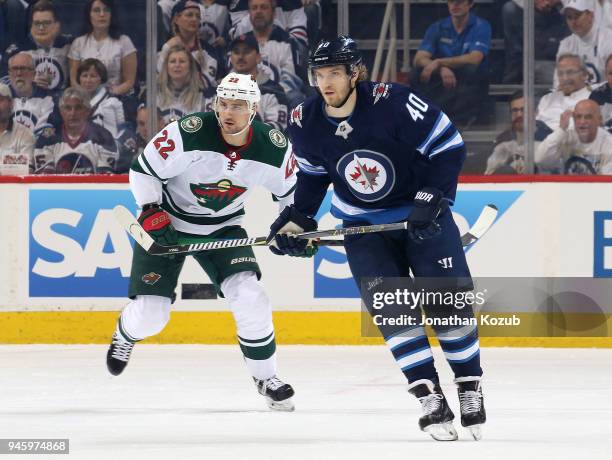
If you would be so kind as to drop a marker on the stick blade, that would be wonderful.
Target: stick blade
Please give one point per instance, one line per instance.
(131, 225)
(482, 225)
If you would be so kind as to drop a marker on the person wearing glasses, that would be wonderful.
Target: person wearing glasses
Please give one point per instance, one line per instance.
(572, 76)
(47, 46)
(32, 105)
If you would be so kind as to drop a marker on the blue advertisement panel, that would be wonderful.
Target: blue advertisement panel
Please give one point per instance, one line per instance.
(601, 243)
(77, 249)
(332, 277)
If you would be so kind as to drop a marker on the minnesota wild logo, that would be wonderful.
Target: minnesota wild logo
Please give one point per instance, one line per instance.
(216, 196)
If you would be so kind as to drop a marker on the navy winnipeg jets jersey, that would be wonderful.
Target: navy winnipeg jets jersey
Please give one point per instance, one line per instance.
(393, 144)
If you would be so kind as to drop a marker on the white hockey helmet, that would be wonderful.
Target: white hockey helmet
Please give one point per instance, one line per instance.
(239, 87)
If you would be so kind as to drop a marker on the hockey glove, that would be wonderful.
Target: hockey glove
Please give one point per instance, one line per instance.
(156, 223)
(429, 203)
(291, 221)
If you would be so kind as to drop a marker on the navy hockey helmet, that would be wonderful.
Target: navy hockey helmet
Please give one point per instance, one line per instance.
(339, 51)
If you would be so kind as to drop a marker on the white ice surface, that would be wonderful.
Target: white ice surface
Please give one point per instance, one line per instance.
(197, 402)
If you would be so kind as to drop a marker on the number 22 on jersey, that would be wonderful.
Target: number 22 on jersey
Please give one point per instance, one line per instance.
(163, 144)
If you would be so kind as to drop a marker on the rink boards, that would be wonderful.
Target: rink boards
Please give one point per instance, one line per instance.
(66, 263)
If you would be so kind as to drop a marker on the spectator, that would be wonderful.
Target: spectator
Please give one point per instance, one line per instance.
(550, 29)
(603, 96)
(16, 142)
(102, 40)
(603, 10)
(79, 146)
(142, 132)
(572, 77)
(450, 67)
(47, 47)
(32, 106)
(214, 24)
(106, 110)
(508, 155)
(277, 53)
(589, 40)
(181, 90)
(245, 58)
(314, 21)
(289, 15)
(585, 149)
(14, 25)
(186, 17)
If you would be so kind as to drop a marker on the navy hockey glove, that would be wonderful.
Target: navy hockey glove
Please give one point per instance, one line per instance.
(429, 203)
(156, 223)
(290, 221)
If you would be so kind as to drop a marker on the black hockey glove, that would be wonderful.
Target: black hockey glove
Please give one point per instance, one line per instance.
(156, 223)
(429, 203)
(291, 221)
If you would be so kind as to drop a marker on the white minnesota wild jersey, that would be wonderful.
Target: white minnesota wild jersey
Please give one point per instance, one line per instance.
(202, 181)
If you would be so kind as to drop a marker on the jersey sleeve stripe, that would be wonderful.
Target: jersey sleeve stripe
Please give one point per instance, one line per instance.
(135, 166)
(308, 168)
(452, 143)
(144, 164)
(440, 127)
(291, 190)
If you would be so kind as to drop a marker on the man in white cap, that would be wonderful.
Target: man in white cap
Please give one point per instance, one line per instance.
(589, 39)
(16, 142)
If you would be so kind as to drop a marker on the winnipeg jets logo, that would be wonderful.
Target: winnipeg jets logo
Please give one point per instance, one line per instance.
(296, 116)
(380, 90)
(344, 129)
(50, 70)
(364, 175)
(25, 118)
(369, 175)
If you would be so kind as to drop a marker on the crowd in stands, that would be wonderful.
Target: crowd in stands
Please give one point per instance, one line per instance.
(72, 95)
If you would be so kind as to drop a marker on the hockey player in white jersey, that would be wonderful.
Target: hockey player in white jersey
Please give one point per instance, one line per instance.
(191, 181)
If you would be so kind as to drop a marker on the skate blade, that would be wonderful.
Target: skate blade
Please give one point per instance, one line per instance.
(281, 406)
(442, 431)
(475, 431)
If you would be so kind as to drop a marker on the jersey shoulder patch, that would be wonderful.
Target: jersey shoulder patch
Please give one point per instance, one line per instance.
(199, 131)
(268, 145)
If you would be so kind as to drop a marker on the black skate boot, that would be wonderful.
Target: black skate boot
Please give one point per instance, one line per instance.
(277, 393)
(118, 354)
(473, 413)
(437, 419)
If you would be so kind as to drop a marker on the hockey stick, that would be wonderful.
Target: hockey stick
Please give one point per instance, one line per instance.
(127, 220)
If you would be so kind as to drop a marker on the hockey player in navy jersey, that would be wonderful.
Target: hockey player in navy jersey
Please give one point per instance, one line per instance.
(391, 156)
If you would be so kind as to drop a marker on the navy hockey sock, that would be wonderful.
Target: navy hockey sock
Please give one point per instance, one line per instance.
(411, 350)
(461, 349)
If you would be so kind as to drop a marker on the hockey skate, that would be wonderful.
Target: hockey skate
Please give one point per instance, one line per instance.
(118, 354)
(473, 413)
(277, 393)
(437, 419)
